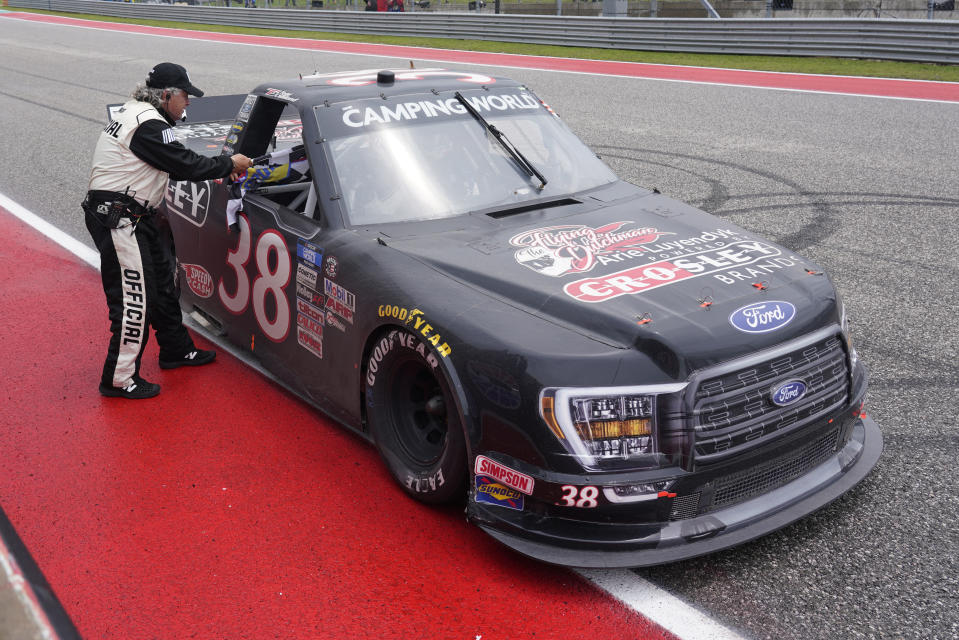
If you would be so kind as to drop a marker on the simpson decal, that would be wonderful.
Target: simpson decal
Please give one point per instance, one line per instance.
(557, 251)
(648, 277)
(489, 491)
(511, 478)
(198, 279)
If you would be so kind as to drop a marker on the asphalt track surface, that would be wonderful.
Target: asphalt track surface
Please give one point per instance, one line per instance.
(866, 186)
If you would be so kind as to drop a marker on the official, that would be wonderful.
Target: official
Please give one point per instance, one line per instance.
(136, 154)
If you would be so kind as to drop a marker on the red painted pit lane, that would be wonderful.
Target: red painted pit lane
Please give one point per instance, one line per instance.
(226, 508)
(880, 87)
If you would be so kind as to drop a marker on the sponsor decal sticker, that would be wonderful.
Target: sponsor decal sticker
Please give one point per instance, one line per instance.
(189, 200)
(247, 107)
(419, 322)
(489, 491)
(333, 321)
(304, 292)
(281, 94)
(306, 309)
(334, 290)
(510, 477)
(198, 279)
(557, 251)
(311, 325)
(306, 276)
(762, 317)
(645, 278)
(310, 341)
(788, 393)
(332, 267)
(340, 309)
(309, 253)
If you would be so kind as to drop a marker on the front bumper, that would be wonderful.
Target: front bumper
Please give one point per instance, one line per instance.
(609, 545)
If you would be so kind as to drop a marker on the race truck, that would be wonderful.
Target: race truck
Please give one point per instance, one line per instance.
(606, 376)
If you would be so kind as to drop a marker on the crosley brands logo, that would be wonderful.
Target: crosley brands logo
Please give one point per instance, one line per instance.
(788, 393)
(509, 477)
(556, 251)
(198, 279)
(189, 200)
(762, 317)
(658, 274)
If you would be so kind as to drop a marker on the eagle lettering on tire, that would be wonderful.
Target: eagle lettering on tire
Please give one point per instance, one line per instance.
(413, 419)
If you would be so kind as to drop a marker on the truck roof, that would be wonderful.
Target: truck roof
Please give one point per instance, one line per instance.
(369, 83)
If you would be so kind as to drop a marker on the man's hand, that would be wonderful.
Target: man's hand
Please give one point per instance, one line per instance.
(240, 164)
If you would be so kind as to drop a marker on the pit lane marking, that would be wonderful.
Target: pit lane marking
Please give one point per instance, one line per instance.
(644, 597)
(887, 88)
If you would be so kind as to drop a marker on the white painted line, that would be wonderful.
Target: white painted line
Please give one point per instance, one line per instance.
(16, 581)
(68, 242)
(673, 614)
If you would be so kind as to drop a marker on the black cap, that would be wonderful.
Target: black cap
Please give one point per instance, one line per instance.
(167, 74)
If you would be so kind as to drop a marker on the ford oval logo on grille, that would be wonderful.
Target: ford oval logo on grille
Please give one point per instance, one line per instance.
(760, 317)
(788, 392)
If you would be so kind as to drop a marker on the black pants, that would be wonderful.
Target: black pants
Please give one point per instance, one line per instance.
(137, 278)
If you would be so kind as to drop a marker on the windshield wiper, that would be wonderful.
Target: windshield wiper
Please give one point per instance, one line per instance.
(504, 142)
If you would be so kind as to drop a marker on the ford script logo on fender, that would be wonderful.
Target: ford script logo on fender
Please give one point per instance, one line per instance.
(788, 392)
(761, 317)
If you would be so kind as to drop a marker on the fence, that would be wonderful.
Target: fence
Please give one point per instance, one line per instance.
(934, 41)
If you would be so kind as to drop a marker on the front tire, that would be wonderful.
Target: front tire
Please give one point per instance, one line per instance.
(413, 419)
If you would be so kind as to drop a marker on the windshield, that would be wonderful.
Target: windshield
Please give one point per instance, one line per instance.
(424, 157)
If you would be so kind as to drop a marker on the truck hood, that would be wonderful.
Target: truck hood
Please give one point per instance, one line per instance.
(646, 273)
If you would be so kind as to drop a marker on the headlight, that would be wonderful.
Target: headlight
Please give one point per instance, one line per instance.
(606, 427)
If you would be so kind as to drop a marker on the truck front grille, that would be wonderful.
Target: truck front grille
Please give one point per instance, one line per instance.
(733, 410)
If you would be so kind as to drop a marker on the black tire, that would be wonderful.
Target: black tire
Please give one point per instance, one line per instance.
(413, 419)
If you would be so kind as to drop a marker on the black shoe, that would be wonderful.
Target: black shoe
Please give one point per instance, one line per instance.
(192, 359)
(136, 390)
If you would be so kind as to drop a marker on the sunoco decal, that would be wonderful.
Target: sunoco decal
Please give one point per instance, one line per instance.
(489, 491)
(762, 317)
(198, 279)
(557, 251)
(509, 477)
(658, 274)
(788, 393)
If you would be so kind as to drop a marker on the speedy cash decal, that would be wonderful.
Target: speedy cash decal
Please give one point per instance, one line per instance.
(510, 477)
(649, 277)
(560, 250)
(198, 279)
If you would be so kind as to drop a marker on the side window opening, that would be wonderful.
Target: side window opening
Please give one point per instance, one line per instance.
(274, 133)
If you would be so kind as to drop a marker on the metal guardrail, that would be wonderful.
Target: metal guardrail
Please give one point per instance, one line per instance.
(935, 41)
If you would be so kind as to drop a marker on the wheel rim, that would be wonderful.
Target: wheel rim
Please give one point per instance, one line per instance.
(419, 413)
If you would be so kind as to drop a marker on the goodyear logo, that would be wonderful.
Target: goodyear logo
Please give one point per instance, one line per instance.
(489, 491)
